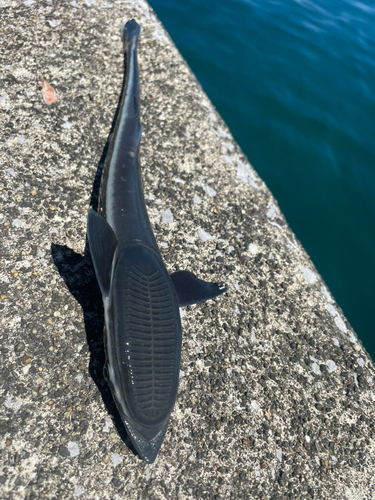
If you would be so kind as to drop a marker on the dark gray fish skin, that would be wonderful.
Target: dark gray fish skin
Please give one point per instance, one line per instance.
(141, 301)
(121, 195)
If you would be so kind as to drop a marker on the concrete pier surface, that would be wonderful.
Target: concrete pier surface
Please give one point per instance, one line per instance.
(276, 396)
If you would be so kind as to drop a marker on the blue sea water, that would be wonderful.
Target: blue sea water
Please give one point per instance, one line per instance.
(295, 82)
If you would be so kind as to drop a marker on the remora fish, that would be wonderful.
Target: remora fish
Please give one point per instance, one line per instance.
(141, 301)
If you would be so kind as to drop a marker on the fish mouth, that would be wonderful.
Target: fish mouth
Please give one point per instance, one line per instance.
(146, 446)
(146, 440)
(143, 345)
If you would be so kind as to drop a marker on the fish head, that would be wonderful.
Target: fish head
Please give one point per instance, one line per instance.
(143, 346)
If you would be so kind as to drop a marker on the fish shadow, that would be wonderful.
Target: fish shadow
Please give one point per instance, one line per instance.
(78, 273)
(79, 276)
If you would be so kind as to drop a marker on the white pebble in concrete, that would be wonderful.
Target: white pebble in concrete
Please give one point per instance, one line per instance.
(246, 174)
(331, 310)
(182, 313)
(73, 449)
(210, 191)
(204, 236)
(340, 324)
(271, 214)
(253, 249)
(10, 171)
(331, 365)
(309, 275)
(326, 294)
(78, 491)
(148, 472)
(116, 459)
(338, 319)
(279, 454)
(315, 368)
(222, 133)
(53, 24)
(108, 424)
(167, 217)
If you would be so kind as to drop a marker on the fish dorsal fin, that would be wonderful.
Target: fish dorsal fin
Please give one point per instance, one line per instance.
(103, 243)
(191, 290)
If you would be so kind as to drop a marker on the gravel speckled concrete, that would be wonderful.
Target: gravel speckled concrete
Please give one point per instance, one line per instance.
(276, 397)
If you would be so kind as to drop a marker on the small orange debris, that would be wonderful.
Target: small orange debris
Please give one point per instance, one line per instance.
(245, 441)
(268, 414)
(48, 93)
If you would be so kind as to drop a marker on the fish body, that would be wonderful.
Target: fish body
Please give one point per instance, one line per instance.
(141, 301)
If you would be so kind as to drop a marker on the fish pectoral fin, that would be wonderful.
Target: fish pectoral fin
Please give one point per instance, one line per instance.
(191, 290)
(103, 243)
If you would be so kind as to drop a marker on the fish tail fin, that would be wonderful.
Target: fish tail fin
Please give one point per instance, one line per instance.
(130, 31)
